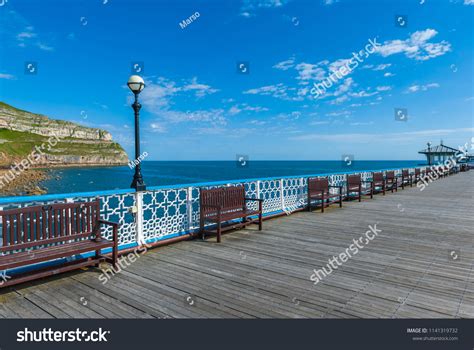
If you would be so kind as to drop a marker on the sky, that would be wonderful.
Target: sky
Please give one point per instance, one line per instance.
(239, 78)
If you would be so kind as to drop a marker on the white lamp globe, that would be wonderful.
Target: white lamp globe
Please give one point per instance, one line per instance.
(136, 84)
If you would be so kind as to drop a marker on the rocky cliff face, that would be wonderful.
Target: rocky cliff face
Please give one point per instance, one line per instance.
(21, 132)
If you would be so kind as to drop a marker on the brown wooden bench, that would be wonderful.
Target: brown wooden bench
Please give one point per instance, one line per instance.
(391, 181)
(43, 233)
(406, 178)
(219, 205)
(318, 190)
(354, 185)
(417, 176)
(378, 183)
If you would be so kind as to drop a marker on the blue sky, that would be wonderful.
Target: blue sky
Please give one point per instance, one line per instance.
(196, 106)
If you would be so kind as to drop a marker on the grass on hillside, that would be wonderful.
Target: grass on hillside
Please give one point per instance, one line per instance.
(21, 144)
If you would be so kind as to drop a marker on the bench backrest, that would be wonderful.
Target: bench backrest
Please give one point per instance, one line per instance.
(377, 177)
(354, 180)
(390, 175)
(405, 173)
(317, 185)
(417, 171)
(229, 199)
(46, 224)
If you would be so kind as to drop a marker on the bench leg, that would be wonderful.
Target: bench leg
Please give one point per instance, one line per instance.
(97, 256)
(115, 248)
(219, 231)
(340, 201)
(201, 229)
(260, 224)
(114, 257)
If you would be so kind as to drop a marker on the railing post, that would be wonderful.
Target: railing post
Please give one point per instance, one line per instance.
(189, 207)
(139, 218)
(300, 196)
(282, 195)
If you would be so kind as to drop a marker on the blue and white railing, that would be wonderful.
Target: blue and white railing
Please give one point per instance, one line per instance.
(165, 212)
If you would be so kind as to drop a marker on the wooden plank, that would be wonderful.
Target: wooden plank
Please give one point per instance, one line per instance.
(407, 271)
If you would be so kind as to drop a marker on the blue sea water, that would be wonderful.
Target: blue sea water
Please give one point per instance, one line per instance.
(159, 173)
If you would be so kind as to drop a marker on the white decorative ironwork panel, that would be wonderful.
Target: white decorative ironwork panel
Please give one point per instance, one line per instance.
(165, 213)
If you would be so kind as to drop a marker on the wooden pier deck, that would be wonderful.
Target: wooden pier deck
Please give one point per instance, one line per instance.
(420, 266)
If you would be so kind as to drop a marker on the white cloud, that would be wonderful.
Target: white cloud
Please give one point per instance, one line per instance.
(416, 46)
(382, 66)
(158, 97)
(361, 123)
(249, 7)
(285, 65)
(468, 2)
(7, 76)
(384, 88)
(337, 64)
(416, 88)
(212, 116)
(388, 74)
(236, 109)
(363, 137)
(363, 93)
(45, 47)
(278, 91)
(339, 113)
(319, 122)
(344, 87)
(308, 71)
(25, 35)
(29, 37)
(157, 127)
(200, 90)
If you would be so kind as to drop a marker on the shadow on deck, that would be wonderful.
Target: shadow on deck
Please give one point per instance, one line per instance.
(419, 266)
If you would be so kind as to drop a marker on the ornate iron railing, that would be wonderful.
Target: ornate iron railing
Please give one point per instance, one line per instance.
(161, 212)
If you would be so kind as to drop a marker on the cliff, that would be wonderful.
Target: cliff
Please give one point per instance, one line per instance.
(62, 143)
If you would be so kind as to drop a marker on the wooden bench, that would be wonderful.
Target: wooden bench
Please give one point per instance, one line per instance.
(318, 190)
(406, 178)
(43, 233)
(391, 181)
(219, 205)
(417, 176)
(378, 183)
(354, 185)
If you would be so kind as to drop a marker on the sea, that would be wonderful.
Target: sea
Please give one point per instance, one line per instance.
(164, 173)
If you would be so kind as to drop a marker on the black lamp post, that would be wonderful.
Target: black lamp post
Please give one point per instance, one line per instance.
(136, 84)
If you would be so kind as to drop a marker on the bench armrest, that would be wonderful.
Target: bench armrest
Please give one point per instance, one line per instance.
(367, 181)
(98, 236)
(254, 199)
(110, 223)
